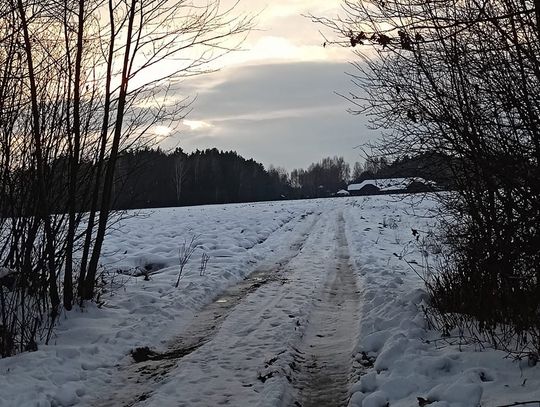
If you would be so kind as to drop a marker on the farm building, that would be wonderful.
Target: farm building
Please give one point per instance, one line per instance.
(391, 186)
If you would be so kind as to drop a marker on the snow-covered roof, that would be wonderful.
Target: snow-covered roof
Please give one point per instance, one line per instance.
(342, 192)
(387, 184)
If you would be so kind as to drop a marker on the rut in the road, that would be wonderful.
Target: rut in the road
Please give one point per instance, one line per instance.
(140, 379)
(324, 358)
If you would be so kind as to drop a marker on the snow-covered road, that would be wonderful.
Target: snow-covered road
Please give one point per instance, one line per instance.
(325, 354)
(288, 328)
(303, 303)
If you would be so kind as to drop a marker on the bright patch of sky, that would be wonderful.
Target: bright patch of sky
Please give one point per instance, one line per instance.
(197, 124)
(275, 100)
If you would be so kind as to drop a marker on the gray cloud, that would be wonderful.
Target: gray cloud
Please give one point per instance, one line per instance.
(282, 114)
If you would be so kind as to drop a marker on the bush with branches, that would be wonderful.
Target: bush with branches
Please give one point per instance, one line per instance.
(461, 80)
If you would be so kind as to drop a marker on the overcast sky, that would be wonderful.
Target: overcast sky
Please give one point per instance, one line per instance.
(275, 101)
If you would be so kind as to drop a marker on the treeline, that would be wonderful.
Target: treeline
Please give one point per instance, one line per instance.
(321, 179)
(151, 178)
(148, 178)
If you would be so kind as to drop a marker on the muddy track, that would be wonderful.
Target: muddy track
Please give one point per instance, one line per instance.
(323, 360)
(140, 378)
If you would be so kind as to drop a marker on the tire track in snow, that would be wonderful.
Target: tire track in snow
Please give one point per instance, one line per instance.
(141, 378)
(323, 360)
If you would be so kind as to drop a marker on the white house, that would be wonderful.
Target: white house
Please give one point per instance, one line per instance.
(390, 185)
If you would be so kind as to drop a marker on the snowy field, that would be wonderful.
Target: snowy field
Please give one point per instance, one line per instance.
(301, 303)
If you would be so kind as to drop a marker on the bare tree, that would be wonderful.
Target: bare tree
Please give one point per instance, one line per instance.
(461, 81)
(81, 82)
(180, 173)
(153, 32)
(357, 171)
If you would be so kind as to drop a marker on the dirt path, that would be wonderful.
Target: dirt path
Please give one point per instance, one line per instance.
(325, 354)
(230, 353)
(141, 378)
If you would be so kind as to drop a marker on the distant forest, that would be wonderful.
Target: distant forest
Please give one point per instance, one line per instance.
(153, 178)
